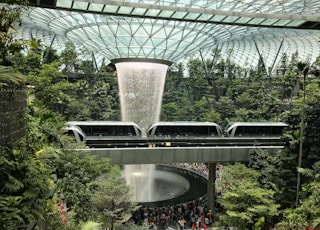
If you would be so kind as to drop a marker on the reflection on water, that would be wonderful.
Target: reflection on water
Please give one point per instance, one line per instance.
(167, 185)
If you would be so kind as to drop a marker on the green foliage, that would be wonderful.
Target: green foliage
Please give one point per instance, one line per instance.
(9, 14)
(10, 78)
(24, 187)
(111, 201)
(170, 111)
(43, 127)
(31, 63)
(50, 55)
(245, 202)
(77, 171)
(307, 214)
(131, 226)
(86, 67)
(81, 100)
(267, 165)
(69, 57)
(90, 225)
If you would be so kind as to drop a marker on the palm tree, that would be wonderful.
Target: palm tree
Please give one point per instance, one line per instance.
(9, 14)
(9, 78)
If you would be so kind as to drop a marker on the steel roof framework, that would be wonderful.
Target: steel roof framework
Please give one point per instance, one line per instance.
(177, 30)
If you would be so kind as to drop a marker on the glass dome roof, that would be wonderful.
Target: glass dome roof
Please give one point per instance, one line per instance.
(177, 30)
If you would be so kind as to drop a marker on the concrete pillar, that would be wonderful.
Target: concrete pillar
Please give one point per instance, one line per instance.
(211, 189)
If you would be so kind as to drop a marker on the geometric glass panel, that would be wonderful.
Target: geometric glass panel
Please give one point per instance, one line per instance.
(64, 3)
(296, 23)
(269, 22)
(80, 5)
(166, 13)
(179, 15)
(192, 16)
(217, 18)
(256, 21)
(230, 19)
(205, 17)
(125, 10)
(152, 12)
(243, 20)
(95, 7)
(282, 22)
(110, 9)
(138, 11)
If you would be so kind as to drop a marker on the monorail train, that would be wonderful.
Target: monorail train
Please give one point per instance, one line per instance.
(110, 134)
(183, 133)
(104, 133)
(75, 132)
(183, 129)
(255, 129)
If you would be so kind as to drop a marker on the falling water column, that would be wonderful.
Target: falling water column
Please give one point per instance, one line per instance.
(141, 85)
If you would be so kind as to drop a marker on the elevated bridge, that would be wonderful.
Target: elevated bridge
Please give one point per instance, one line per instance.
(169, 155)
(223, 151)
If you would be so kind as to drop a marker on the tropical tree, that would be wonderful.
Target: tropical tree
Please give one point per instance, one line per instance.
(10, 78)
(245, 203)
(76, 172)
(31, 61)
(307, 214)
(9, 14)
(24, 187)
(169, 112)
(25, 176)
(69, 57)
(112, 203)
(90, 225)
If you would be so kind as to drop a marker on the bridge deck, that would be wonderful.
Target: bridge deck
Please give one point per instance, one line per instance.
(167, 155)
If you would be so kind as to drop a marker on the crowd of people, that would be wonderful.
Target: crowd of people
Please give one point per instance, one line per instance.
(187, 215)
(193, 214)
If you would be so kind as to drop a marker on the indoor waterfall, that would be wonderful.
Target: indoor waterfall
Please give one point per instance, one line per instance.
(141, 86)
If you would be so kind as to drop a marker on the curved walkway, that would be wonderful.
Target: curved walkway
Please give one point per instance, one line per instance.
(183, 215)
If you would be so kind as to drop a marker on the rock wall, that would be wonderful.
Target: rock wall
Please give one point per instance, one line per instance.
(13, 125)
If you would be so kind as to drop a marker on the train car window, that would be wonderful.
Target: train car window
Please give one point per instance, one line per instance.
(245, 131)
(238, 131)
(250, 131)
(213, 131)
(186, 131)
(276, 130)
(160, 131)
(125, 131)
(120, 131)
(111, 130)
(171, 130)
(201, 130)
(129, 131)
(263, 130)
(99, 131)
(86, 129)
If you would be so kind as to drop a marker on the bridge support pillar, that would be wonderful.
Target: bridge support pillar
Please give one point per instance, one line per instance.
(211, 189)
